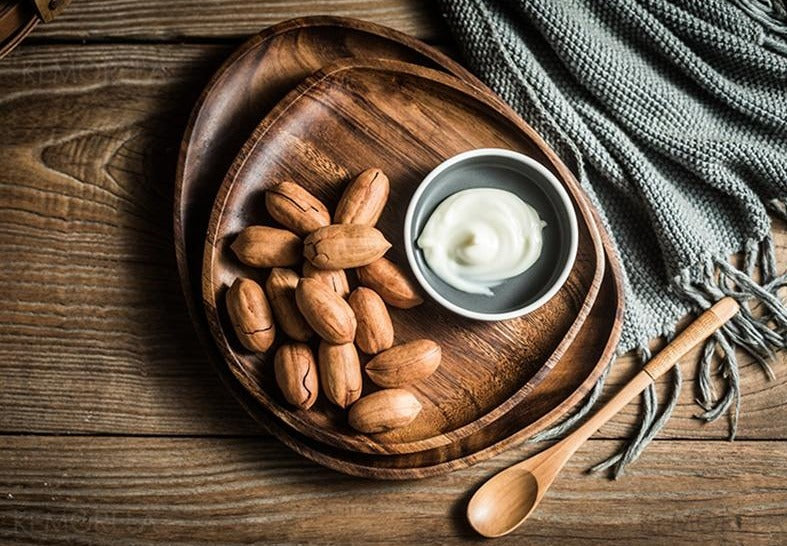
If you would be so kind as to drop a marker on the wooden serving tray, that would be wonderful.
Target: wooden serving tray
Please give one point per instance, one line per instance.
(256, 90)
(405, 119)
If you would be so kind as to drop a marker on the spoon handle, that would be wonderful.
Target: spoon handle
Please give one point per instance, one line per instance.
(698, 331)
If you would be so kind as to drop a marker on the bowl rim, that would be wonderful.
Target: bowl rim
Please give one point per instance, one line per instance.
(542, 171)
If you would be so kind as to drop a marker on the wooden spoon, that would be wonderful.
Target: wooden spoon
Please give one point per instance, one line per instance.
(509, 497)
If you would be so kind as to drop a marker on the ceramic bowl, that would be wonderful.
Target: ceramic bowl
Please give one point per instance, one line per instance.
(535, 185)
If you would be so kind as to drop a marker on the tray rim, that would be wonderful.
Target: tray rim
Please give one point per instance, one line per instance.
(367, 444)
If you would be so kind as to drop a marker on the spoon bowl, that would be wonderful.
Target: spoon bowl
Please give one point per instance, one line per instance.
(510, 496)
(490, 518)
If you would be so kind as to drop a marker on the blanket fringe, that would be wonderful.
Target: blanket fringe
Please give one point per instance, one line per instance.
(778, 208)
(649, 426)
(557, 431)
(760, 335)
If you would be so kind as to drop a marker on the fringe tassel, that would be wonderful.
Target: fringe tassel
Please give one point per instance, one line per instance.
(760, 335)
(729, 371)
(778, 207)
(650, 425)
(767, 261)
(557, 431)
(707, 392)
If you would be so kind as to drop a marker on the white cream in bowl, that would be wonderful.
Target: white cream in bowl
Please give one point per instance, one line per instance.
(493, 234)
(477, 238)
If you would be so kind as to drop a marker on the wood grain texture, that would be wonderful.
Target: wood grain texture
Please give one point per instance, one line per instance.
(155, 20)
(245, 88)
(90, 297)
(94, 338)
(161, 490)
(340, 121)
(95, 335)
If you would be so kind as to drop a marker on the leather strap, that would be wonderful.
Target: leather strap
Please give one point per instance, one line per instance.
(18, 18)
(48, 9)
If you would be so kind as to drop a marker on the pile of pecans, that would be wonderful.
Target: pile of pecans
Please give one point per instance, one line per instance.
(319, 301)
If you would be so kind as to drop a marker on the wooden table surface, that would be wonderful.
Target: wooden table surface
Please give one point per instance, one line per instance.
(114, 426)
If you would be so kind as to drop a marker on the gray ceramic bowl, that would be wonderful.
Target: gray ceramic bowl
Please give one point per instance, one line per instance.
(534, 184)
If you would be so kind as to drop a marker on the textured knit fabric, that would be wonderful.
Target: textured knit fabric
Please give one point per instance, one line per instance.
(673, 116)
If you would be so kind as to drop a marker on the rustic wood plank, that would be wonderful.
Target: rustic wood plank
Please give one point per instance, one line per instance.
(95, 335)
(160, 490)
(194, 19)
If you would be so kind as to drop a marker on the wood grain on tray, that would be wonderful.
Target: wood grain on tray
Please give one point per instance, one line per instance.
(247, 86)
(383, 113)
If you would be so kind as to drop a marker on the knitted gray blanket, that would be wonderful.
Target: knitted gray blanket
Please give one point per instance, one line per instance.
(673, 116)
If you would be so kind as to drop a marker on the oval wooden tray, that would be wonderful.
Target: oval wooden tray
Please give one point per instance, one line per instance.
(568, 382)
(405, 119)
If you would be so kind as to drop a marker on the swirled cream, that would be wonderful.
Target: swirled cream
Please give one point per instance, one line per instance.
(477, 238)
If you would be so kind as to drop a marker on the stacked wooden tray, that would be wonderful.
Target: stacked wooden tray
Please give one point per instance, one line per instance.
(318, 100)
